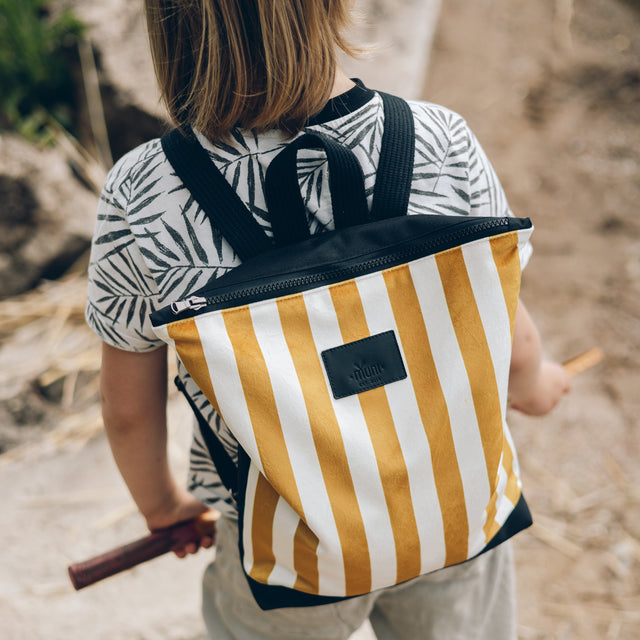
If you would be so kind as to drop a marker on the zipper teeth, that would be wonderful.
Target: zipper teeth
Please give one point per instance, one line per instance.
(337, 273)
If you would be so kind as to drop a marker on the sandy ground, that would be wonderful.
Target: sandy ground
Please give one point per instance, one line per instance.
(552, 89)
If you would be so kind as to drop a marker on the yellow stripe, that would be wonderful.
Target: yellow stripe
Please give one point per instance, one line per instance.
(267, 429)
(504, 249)
(433, 411)
(264, 509)
(261, 404)
(491, 527)
(305, 559)
(329, 444)
(475, 351)
(505, 254)
(382, 430)
(189, 348)
(512, 490)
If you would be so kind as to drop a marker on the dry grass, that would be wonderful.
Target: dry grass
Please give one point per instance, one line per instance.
(45, 344)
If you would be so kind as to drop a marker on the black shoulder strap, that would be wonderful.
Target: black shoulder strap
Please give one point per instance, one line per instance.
(395, 167)
(227, 212)
(214, 194)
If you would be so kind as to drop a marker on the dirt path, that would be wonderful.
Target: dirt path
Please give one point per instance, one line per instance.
(552, 90)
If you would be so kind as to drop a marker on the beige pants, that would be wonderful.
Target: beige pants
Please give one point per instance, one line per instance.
(472, 601)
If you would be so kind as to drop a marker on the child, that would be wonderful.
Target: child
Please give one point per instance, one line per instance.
(247, 77)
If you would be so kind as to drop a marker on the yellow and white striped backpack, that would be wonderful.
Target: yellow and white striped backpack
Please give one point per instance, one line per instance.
(363, 371)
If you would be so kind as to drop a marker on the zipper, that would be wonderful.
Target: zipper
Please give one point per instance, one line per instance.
(197, 302)
(193, 303)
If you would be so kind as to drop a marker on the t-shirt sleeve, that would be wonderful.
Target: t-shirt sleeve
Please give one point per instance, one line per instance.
(452, 174)
(121, 290)
(487, 197)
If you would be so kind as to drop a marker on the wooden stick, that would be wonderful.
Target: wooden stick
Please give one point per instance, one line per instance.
(82, 574)
(583, 361)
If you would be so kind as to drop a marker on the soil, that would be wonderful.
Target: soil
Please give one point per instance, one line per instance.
(552, 90)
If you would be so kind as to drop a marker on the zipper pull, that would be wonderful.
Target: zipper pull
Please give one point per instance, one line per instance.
(192, 303)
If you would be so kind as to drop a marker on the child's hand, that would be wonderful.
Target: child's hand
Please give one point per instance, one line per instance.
(183, 506)
(550, 386)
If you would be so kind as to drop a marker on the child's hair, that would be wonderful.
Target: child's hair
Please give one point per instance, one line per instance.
(257, 64)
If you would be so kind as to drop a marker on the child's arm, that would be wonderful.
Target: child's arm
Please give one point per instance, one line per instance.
(133, 389)
(536, 385)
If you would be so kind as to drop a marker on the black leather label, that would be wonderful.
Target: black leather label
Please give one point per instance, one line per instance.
(364, 364)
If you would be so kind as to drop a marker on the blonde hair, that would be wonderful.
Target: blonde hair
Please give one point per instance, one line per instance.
(257, 64)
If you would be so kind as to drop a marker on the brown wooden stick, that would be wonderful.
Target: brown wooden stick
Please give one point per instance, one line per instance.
(90, 571)
(583, 361)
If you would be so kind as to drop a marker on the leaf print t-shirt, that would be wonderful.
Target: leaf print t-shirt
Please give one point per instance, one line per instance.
(153, 244)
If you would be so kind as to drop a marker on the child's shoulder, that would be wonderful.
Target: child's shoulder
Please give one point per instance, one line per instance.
(441, 133)
(136, 166)
(432, 116)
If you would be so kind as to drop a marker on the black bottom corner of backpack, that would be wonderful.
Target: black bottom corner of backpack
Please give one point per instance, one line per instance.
(518, 520)
(269, 597)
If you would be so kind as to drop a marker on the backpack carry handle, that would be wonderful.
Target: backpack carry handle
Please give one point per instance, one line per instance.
(285, 202)
(226, 211)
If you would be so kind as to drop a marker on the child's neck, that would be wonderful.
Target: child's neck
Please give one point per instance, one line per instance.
(341, 84)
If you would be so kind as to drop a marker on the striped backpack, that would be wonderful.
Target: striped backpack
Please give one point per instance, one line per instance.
(363, 371)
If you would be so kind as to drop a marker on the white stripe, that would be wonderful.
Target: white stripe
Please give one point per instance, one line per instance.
(249, 500)
(516, 464)
(411, 434)
(285, 523)
(355, 435)
(163, 333)
(525, 249)
(502, 479)
(456, 389)
(296, 429)
(504, 505)
(487, 290)
(489, 296)
(225, 380)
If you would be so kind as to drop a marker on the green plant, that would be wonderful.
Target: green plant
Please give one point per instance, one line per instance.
(37, 53)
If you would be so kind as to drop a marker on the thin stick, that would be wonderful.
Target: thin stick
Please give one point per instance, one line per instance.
(94, 101)
(564, 11)
(583, 361)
